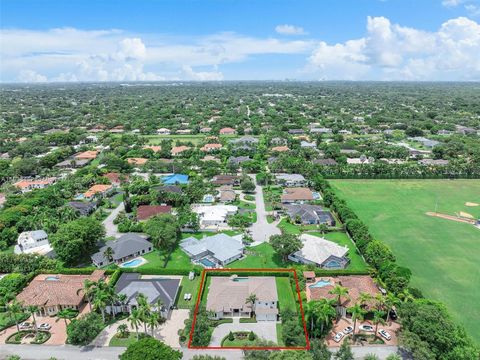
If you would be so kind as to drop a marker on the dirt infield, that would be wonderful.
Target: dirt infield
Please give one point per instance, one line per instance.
(451, 217)
(471, 204)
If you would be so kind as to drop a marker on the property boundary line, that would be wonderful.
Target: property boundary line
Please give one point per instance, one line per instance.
(197, 305)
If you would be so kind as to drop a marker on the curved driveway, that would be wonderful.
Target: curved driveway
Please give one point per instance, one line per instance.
(263, 329)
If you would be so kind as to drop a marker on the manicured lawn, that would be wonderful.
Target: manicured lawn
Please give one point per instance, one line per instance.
(280, 335)
(124, 342)
(340, 238)
(288, 227)
(177, 260)
(286, 297)
(188, 287)
(261, 256)
(442, 254)
(241, 339)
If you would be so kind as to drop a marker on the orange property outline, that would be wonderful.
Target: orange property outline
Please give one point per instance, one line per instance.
(197, 305)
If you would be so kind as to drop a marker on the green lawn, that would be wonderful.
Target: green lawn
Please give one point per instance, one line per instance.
(340, 238)
(288, 227)
(261, 256)
(280, 335)
(188, 287)
(442, 254)
(286, 297)
(124, 342)
(177, 260)
(237, 342)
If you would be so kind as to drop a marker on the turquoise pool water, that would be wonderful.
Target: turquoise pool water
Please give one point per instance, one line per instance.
(51, 278)
(320, 283)
(207, 263)
(239, 279)
(132, 263)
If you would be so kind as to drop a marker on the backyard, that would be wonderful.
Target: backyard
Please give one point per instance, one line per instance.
(442, 254)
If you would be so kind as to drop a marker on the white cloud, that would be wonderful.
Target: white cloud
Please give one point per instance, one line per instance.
(393, 52)
(202, 75)
(287, 29)
(31, 76)
(452, 3)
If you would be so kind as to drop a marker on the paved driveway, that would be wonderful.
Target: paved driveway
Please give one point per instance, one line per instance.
(168, 332)
(58, 330)
(264, 329)
(261, 230)
(110, 227)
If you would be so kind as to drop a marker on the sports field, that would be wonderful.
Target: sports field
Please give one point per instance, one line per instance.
(443, 255)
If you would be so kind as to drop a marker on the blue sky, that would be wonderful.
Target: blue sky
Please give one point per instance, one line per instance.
(47, 40)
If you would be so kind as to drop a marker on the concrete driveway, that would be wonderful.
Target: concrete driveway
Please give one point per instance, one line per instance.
(110, 228)
(58, 331)
(261, 230)
(264, 329)
(167, 332)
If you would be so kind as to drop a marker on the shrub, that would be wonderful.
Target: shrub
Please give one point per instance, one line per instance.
(150, 349)
(251, 336)
(230, 336)
(83, 330)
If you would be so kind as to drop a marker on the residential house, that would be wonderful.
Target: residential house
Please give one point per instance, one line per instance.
(73, 163)
(238, 160)
(290, 180)
(278, 141)
(127, 246)
(279, 149)
(250, 140)
(227, 131)
(116, 179)
(97, 190)
(3, 199)
(53, 293)
(214, 216)
(226, 194)
(211, 147)
(86, 155)
(232, 180)
(145, 212)
(320, 252)
(213, 251)
(177, 150)
(163, 131)
(425, 142)
(117, 129)
(356, 285)
(29, 185)
(360, 161)
(172, 189)
(183, 131)
(325, 162)
(210, 158)
(308, 145)
(296, 195)
(137, 161)
(83, 208)
(34, 242)
(227, 297)
(157, 290)
(296, 131)
(322, 130)
(205, 130)
(154, 148)
(309, 214)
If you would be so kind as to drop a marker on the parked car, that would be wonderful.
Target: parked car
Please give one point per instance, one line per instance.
(383, 333)
(45, 326)
(25, 325)
(338, 336)
(347, 330)
(367, 328)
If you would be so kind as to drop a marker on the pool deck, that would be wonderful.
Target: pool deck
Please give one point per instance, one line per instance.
(317, 279)
(140, 258)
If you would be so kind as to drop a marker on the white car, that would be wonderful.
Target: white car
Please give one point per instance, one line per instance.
(338, 336)
(367, 328)
(45, 326)
(25, 325)
(347, 330)
(383, 333)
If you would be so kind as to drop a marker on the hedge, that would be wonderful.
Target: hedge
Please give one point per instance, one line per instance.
(161, 271)
(249, 273)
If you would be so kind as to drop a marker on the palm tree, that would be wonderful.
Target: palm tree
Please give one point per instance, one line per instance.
(13, 309)
(378, 319)
(357, 314)
(144, 309)
(364, 298)
(122, 298)
(390, 301)
(406, 296)
(251, 299)
(33, 309)
(319, 312)
(123, 330)
(100, 301)
(340, 292)
(88, 290)
(64, 314)
(134, 319)
(154, 320)
(380, 300)
(108, 253)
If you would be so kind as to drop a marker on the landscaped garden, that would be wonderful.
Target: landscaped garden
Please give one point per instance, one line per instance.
(431, 247)
(126, 339)
(239, 339)
(28, 337)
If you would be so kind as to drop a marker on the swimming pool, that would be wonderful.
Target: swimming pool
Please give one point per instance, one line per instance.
(132, 263)
(320, 283)
(51, 278)
(207, 263)
(240, 279)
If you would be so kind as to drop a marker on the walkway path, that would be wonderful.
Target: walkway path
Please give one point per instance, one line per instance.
(110, 228)
(261, 230)
(264, 329)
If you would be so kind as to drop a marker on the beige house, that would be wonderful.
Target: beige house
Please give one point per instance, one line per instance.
(227, 297)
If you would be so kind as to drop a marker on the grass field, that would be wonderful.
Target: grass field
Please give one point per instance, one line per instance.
(262, 256)
(443, 255)
(286, 297)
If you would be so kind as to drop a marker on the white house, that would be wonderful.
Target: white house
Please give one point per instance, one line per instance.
(163, 131)
(214, 216)
(34, 242)
(290, 180)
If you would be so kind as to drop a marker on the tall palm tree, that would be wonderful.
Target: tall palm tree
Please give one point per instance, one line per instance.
(380, 300)
(250, 300)
(364, 298)
(100, 301)
(13, 309)
(390, 301)
(122, 299)
(88, 290)
(357, 314)
(33, 309)
(134, 320)
(154, 320)
(340, 292)
(64, 314)
(144, 309)
(378, 319)
(108, 253)
(319, 312)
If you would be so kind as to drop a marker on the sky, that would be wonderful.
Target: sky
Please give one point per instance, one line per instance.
(213, 40)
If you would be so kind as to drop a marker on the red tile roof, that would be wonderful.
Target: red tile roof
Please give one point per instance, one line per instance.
(145, 212)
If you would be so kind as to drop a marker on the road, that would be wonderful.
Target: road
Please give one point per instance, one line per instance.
(261, 230)
(70, 352)
(110, 228)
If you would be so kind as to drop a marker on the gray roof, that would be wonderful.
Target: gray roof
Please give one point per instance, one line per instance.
(155, 289)
(169, 189)
(290, 177)
(84, 208)
(239, 159)
(38, 234)
(124, 246)
(309, 213)
(220, 246)
(245, 139)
